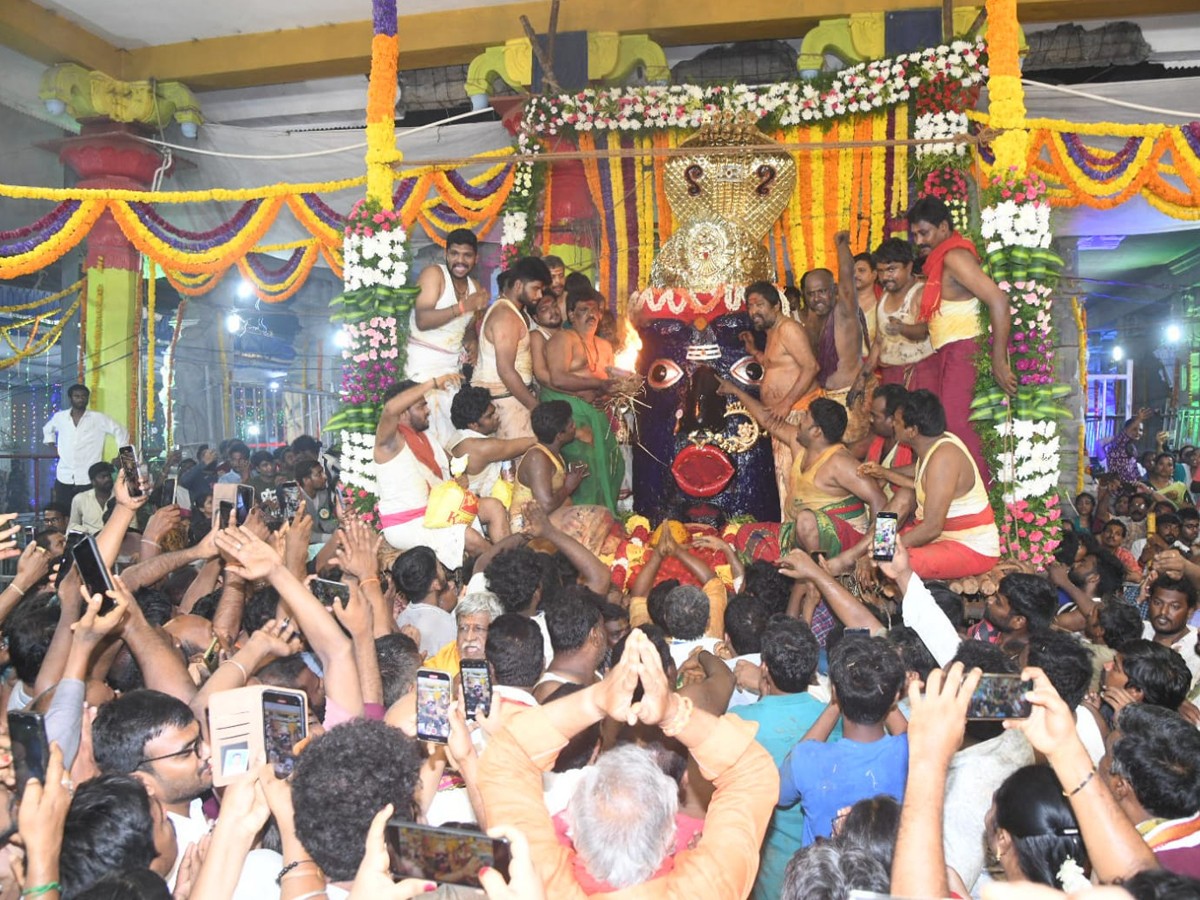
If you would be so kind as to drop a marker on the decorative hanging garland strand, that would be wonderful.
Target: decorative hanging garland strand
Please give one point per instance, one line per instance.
(151, 301)
(170, 373)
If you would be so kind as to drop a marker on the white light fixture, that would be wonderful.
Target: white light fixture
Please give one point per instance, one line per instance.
(1118, 353)
(274, 385)
(1174, 334)
(190, 130)
(341, 339)
(252, 431)
(55, 107)
(245, 290)
(234, 323)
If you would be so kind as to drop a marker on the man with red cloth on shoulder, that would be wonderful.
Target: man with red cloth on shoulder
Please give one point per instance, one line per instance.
(955, 286)
(408, 465)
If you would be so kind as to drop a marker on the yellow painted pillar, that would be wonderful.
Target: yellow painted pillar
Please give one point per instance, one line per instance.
(110, 344)
(382, 152)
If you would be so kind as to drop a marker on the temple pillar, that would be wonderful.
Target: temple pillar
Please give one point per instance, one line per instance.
(570, 203)
(108, 156)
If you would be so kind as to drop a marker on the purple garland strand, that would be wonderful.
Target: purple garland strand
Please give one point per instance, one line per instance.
(383, 15)
(191, 241)
(323, 211)
(276, 275)
(47, 232)
(404, 189)
(632, 257)
(1191, 134)
(477, 192)
(52, 220)
(1090, 164)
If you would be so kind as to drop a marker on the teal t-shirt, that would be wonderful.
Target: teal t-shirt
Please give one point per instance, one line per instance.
(782, 721)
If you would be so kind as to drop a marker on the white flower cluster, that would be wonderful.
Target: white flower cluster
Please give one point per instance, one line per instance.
(860, 88)
(1030, 469)
(374, 260)
(516, 225)
(358, 460)
(1012, 224)
(940, 127)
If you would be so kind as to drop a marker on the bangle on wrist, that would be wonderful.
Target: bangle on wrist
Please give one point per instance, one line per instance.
(1079, 787)
(683, 715)
(283, 873)
(41, 889)
(150, 542)
(240, 667)
(368, 581)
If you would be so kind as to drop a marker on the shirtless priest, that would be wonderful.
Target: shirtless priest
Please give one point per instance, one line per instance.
(438, 323)
(789, 367)
(829, 504)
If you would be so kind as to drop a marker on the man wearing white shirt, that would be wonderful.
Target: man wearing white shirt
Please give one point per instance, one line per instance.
(1172, 602)
(78, 435)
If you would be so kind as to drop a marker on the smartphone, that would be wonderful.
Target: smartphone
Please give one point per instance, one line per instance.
(477, 687)
(856, 632)
(244, 502)
(94, 572)
(30, 749)
(183, 499)
(67, 562)
(268, 501)
(289, 494)
(433, 705)
(30, 532)
(168, 491)
(222, 514)
(285, 724)
(1000, 697)
(328, 591)
(209, 660)
(224, 498)
(883, 543)
(127, 459)
(445, 855)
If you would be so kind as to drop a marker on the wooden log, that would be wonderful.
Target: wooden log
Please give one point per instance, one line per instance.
(970, 585)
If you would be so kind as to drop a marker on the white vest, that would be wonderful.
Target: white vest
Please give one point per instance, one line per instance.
(435, 352)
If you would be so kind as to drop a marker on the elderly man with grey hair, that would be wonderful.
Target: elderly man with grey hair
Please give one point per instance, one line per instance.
(474, 613)
(622, 814)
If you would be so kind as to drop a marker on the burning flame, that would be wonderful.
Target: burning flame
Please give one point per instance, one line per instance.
(626, 359)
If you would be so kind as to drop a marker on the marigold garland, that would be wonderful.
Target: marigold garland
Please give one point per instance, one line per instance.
(34, 345)
(98, 334)
(151, 303)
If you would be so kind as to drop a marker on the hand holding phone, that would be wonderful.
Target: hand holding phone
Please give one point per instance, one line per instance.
(127, 458)
(445, 855)
(433, 705)
(30, 749)
(883, 541)
(329, 592)
(94, 573)
(477, 688)
(1000, 697)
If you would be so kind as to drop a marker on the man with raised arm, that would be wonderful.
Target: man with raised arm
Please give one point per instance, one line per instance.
(438, 323)
(789, 367)
(505, 365)
(829, 504)
(409, 465)
(955, 289)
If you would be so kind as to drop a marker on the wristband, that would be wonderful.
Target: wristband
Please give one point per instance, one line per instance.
(284, 871)
(241, 668)
(41, 889)
(1079, 787)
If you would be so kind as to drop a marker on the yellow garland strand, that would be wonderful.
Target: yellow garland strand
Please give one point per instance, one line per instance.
(49, 339)
(98, 342)
(224, 379)
(151, 302)
(619, 188)
(878, 180)
(816, 215)
(34, 304)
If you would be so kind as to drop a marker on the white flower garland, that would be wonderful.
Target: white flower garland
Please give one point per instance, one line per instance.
(862, 88)
(1013, 224)
(358, 460)
(376, 259)
(940, 127)
(1030, 469)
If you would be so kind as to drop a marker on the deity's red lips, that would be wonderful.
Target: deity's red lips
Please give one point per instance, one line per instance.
(702, 470)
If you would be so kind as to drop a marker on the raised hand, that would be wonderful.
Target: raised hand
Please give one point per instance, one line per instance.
(121, 492)
(358, 550)
(33, 565)
(8, 536)
(798, 564)
(278, 638)
(374, 878)
(92, 627)
(939, 715)
(1050, 727)
(575, 475)
(255, 559)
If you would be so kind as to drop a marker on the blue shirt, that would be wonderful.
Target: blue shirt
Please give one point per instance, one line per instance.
(825, 778)
(782, 721)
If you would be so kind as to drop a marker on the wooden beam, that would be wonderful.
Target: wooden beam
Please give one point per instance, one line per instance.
(49, 38)
(456, 36)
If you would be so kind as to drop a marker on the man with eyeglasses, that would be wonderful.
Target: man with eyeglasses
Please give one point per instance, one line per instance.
(156, 738)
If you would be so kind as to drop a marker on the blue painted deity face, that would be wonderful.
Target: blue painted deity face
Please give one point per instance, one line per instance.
(683, 362)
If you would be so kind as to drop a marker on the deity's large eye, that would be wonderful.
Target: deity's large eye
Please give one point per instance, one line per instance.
(663, 373)
(747, 370)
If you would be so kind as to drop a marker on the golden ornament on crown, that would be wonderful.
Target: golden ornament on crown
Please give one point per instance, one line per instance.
(726, 203)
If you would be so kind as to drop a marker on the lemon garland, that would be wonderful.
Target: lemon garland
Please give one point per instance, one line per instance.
(35, 346)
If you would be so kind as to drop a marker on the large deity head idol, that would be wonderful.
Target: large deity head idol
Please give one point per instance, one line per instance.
(695, 447)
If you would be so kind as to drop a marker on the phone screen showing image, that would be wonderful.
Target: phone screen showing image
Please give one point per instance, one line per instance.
(285, 724)
(1000, 697)
(289, 493)
(245, 502)
(224, 513)
(329, 592)
(127, 456)
(445, 855)
(433, 705)
(477, 687)
(883, 544)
